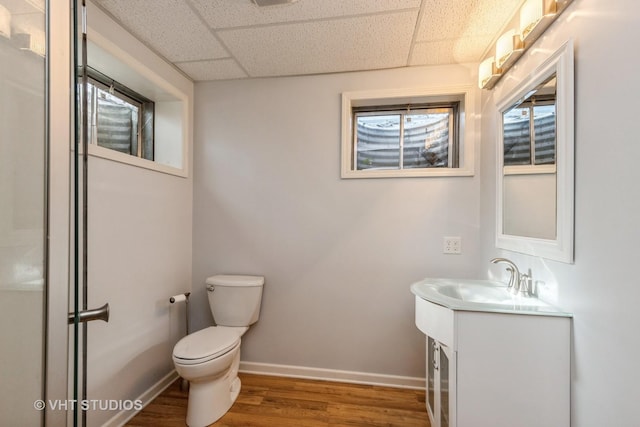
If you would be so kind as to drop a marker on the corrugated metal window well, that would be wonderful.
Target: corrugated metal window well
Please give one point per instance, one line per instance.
(406, 136)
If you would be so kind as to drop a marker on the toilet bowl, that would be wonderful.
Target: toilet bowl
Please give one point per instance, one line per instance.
(209, 359)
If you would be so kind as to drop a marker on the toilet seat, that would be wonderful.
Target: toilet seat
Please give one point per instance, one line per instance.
(207, 344)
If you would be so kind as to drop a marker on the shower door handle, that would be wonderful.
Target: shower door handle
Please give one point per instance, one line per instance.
(101, 313)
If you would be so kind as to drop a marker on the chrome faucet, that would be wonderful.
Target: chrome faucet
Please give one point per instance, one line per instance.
(515, 278)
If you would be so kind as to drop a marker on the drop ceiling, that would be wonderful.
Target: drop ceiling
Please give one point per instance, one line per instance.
(235, 39)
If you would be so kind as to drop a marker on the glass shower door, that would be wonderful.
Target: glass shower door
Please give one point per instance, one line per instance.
(22, 211)
(42, 217)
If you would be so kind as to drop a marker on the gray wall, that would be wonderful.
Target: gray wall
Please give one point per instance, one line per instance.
(338, 255)
(601, 288)
(139, 256)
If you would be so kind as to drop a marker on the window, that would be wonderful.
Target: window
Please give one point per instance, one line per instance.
(119, 118)
(405, 133)
(423, 136)
(139, 77)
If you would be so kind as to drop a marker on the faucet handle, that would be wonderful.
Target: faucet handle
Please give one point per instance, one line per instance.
(525, 285)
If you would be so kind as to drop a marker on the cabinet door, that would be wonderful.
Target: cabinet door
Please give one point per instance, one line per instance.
(443, 364)
(437, 323)
(441, 384)
(432, 354)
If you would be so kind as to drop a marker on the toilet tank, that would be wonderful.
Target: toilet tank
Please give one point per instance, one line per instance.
(235, 300)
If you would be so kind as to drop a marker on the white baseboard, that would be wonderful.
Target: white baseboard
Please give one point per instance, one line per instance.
(122, 417)
(332, 375)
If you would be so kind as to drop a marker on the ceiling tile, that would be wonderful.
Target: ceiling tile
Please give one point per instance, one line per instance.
(242, 13)
(369, 42)
(169, 26)
(452, 51)
(443, 19)
(448, 19)
(490, 16)
(219, 69)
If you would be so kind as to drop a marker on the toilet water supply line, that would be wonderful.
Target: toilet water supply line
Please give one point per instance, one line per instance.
(183, 297)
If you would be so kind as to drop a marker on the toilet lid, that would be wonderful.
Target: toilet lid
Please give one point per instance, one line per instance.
(207, 343)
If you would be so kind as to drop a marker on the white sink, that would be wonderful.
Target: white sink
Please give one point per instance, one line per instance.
(480, 295)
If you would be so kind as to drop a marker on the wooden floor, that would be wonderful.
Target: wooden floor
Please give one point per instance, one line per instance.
(267, 401)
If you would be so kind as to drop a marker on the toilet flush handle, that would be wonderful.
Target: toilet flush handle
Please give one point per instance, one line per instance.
(211, 287)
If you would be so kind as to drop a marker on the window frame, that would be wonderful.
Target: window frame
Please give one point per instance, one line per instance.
(144, 105)
(402, 111)
(117, 53)
(384, 100)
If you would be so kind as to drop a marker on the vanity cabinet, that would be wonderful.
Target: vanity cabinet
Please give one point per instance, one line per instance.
(495, 369)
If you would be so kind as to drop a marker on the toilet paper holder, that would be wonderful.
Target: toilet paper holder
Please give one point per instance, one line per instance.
(183, 297)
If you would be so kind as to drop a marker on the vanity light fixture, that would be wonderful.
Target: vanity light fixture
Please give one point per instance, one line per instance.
(488, 74)
(509, 47)
(530, 16)
(534, 18)
(5, 22)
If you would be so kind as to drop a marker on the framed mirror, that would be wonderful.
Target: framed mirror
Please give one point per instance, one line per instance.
(535, 181)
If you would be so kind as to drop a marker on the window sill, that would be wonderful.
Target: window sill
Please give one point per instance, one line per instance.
(108, 154)
(406, 173)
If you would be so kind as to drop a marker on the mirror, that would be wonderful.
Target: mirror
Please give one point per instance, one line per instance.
(535, 162)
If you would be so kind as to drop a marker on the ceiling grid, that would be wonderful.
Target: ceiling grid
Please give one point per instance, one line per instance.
(235, 39)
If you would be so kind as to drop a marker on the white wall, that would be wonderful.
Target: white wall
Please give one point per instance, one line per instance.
(338, 255)
(140, 225)
(601, 287)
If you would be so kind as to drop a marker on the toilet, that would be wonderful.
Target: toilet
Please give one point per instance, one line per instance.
(209, 358)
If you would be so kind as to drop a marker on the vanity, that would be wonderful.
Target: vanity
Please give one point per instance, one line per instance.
(497, 356)
(493, 358)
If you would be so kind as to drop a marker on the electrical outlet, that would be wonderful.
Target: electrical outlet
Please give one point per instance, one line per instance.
(452, 245)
